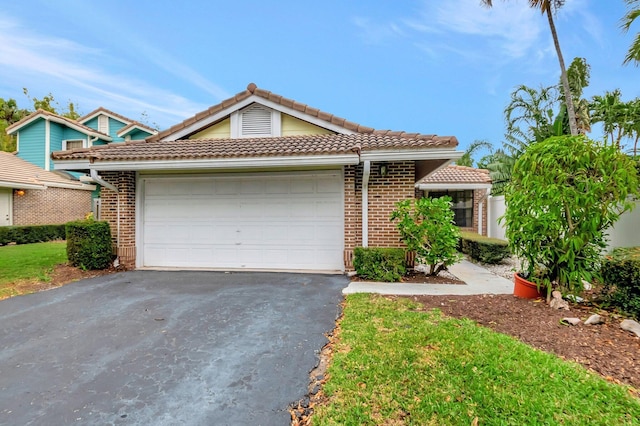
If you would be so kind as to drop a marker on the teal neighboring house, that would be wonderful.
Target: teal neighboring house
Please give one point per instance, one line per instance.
(43, 132)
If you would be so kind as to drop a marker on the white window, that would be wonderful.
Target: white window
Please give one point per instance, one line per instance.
(255, 121)
(103, 124)
(73, 144)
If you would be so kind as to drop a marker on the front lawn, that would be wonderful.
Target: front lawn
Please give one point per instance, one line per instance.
(395, 364)
(28, 263)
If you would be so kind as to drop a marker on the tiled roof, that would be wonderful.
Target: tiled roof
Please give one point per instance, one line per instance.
(57, 117)
(252, 89)
(15, 171)
(129, 127)
(458, 174)
(303, 145)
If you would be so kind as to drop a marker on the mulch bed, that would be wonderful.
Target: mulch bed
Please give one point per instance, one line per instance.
(605, 348)
(415, 277)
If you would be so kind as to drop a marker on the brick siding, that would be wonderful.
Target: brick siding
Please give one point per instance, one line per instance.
(126, 184)
(50, 206)
(384, 192)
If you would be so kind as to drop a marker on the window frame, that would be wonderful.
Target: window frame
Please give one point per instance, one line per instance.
(460, 212)
(66, 141)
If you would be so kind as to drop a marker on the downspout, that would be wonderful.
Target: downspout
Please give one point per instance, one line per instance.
(365, 203)
(102, 182)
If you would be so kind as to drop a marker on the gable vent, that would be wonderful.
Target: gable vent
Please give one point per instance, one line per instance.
(257, 121)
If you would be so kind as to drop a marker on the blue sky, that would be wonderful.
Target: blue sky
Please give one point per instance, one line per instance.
(430, 66)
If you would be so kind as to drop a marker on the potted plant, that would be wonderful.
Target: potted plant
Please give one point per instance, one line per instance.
(564, 193)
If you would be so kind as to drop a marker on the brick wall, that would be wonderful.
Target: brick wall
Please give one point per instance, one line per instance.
(126, 184)
(50, 206)
(384, 192)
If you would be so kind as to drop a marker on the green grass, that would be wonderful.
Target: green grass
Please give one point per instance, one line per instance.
(28, 262)
(396, 364)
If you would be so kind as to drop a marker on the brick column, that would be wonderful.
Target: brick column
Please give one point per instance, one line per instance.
(126, 184)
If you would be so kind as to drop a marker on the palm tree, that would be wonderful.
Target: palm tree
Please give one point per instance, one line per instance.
(467, 157)
(634, 50)
(548, 7)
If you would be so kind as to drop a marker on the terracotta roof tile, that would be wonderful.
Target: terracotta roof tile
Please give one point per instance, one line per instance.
(252, 89)
(15, 171)
(254, 147)
(458, 174)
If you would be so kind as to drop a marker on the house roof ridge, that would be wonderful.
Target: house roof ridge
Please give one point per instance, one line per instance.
(253, 89)
(41, 111)
(105, 110)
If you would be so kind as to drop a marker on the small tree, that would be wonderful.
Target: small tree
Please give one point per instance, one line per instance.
(426, 227)
(564, 193)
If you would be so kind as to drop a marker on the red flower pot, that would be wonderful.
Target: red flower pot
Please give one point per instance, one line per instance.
(525, 289)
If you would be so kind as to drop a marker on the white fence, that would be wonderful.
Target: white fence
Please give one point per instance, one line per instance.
(495, 209)
(625, 233)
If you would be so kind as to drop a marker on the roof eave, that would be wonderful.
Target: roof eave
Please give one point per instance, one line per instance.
(445, 185)
(20, 185)
(211, 163)
(411, 154)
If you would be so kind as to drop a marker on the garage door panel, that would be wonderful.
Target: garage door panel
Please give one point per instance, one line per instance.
(261, 222)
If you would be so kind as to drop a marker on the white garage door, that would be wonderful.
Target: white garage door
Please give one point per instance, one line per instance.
(265, 221)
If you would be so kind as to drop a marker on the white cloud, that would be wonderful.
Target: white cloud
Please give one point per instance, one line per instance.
(26, 55)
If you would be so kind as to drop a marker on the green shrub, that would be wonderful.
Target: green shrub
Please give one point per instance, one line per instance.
(89, 244)
(426, 227)
(31, 234)
(484, 249)
(621, 277)
(380, 264)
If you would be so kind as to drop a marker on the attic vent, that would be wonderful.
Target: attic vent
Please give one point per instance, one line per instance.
(103, 124)
(256, 121)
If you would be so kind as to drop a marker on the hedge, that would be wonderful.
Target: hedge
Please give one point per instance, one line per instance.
(621, 276)
(483, 249)
(380, 264)
(89, 244)
(31, 234)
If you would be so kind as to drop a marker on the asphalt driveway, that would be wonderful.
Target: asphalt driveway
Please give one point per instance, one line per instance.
(164, 348)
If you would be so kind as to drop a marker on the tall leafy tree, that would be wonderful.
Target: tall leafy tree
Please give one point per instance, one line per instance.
(49, 103)
(548, 8)
(9, 114)
(633, 12)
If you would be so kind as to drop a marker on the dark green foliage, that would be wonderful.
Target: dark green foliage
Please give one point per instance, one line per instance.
(379, 264)
(564, 193)
(621, 277)
(484, 249)
(89, 244)
(31, 234)
(426, 227)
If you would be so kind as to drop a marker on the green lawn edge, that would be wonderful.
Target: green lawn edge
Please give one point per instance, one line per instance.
(396, 364)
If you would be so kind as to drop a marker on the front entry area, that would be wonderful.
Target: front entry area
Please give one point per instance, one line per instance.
(278, 221)
(6, 208)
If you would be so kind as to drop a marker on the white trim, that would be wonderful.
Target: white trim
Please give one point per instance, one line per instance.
(229, 163)
(411, 154)
(17, 142)
(47, 144)
(430, 186)
(101, 112)
(59, 120)
(82, 187)
(134, 127)
(365, 203)
(17, 185)
(64, 143)
(206, 121)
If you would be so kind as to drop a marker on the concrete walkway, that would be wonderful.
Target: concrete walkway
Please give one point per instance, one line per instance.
(478, 281)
